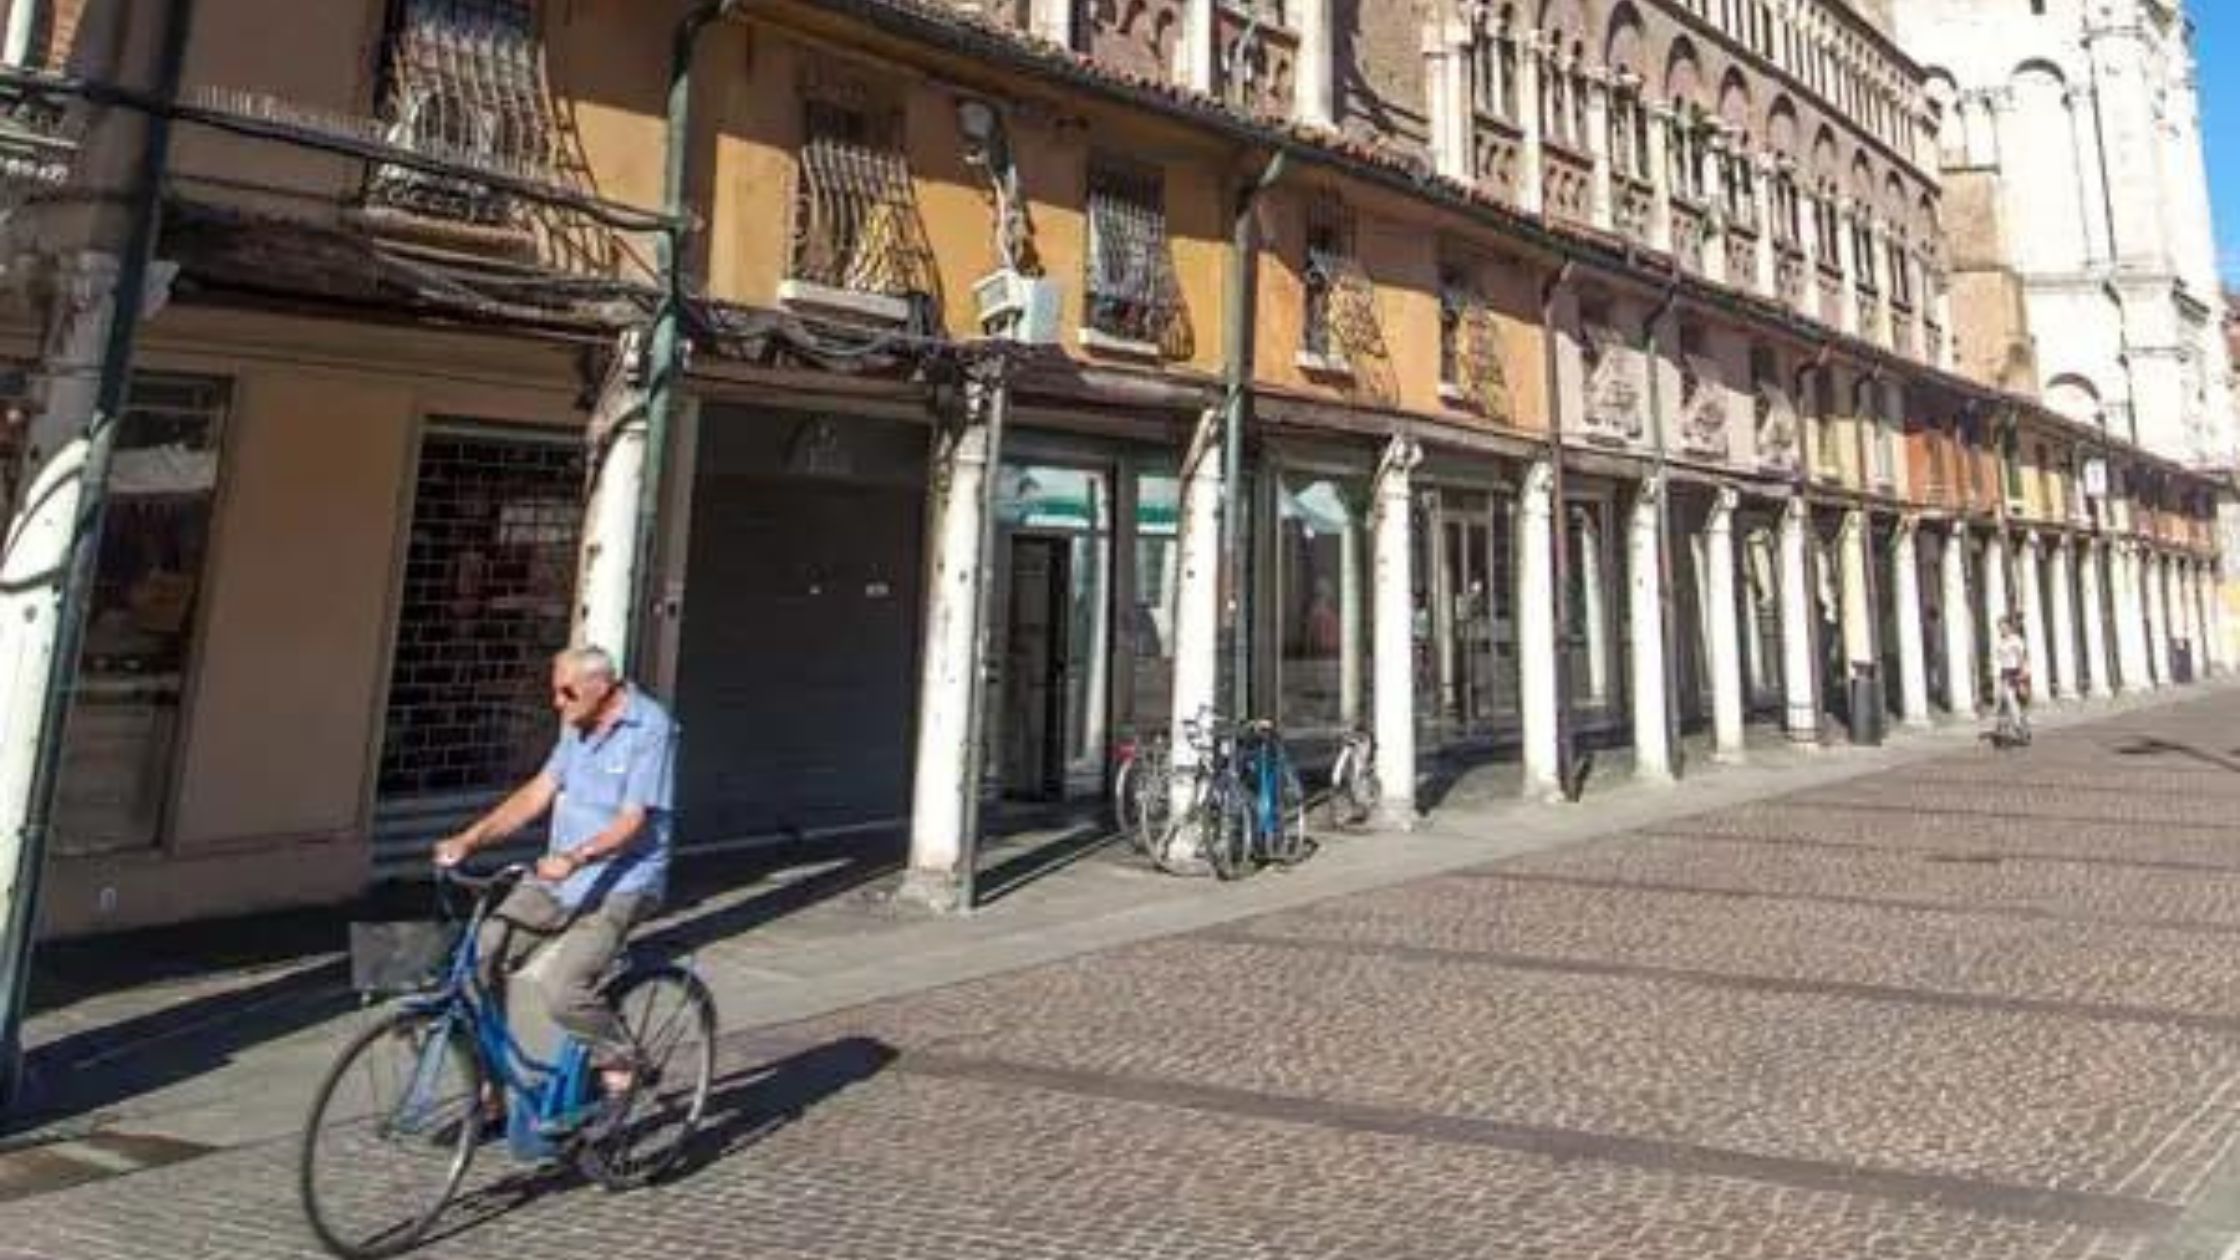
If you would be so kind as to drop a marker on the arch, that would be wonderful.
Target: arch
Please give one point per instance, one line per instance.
(1926, 222)
(1564, 21)
(1683, 74)
(1735, 107)
(1782, 127)
(1894, 205)
(2036, 71)
(1827, 162)
(2074, 395)
(1625, 44)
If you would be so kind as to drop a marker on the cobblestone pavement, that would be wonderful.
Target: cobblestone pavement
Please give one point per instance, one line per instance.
(1984, 1006)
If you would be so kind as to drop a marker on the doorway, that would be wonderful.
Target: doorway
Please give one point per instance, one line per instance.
(1036, 662)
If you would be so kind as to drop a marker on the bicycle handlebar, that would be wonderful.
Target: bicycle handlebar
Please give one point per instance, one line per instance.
(482, 883)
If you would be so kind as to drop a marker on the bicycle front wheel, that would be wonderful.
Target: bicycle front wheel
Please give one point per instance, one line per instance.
(391, 1132)
(672, 1024)
(1227, 835)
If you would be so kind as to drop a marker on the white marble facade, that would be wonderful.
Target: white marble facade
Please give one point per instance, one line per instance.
(2087, 113)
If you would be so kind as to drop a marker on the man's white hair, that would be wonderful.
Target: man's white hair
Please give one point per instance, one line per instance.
(589, 661)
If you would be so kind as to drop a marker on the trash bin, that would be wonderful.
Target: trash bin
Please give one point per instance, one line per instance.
(1866, 702)
(2181, 660)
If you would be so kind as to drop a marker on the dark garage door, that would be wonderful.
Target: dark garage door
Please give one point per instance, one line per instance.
(797, 674)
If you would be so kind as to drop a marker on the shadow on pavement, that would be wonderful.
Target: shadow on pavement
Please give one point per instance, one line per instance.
(743, 1109)
(2148, 746)
(199, 1021)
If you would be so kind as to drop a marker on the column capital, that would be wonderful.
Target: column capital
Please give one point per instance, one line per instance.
(1725, 500)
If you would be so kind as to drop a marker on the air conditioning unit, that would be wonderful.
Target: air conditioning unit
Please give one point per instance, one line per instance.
(1018, 307)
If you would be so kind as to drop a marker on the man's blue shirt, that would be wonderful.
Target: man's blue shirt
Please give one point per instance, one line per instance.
(632, 763)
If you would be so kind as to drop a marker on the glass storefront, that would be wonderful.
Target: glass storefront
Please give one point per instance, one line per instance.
(1322, 601)
(1052, 628)
(1467, 673)
(125, 712)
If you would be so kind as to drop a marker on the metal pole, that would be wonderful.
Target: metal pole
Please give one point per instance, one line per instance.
(1242, 299)
(77, 576)
(668, 346)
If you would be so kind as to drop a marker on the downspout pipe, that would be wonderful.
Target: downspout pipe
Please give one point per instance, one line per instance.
(1568, 777)
(1652, 349)
(110, 398)
(1239, 351)
(668, 347)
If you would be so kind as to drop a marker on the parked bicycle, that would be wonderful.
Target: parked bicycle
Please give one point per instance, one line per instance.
(1142, 790)
(395, 1123)
(1243, 805)
(1355, 790)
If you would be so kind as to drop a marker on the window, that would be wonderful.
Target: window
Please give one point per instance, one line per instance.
(1340, 302)
(1132, 291)
(1322, 580)
(464, 80)
(1494, 70)
(127, 708)
(1470, 368)
(855, 215)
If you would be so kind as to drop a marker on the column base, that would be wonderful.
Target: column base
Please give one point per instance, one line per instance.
(1397, 816)
(939, 891)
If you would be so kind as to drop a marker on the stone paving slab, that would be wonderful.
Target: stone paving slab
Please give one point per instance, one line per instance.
(1708, 1025)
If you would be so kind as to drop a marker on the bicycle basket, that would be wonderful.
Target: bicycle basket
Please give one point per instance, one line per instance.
(400, 956)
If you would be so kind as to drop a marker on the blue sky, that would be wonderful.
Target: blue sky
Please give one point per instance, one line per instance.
(2218, 53)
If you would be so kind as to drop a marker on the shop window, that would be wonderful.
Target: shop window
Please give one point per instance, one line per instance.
(464, 81)
(1133, 292)
(126, 703)
(488, 593)
(1322, 589)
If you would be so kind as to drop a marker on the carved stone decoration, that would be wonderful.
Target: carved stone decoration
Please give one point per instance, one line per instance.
(1703, 408)
(1614, 384)
(1139, 36)
(1776, 424)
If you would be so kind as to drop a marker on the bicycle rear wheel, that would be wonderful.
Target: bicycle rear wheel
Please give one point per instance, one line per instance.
(390, 1134)
(672, 1023)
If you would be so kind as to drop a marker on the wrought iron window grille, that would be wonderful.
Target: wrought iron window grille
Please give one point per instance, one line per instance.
(464, 81)
(1341, 308)
(1470, 348)
(856, 225)
(1133, 290)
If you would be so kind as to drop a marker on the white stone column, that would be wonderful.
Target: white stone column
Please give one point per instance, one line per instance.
(2131, 619)
(1454, 119)
(1661, 123)
(1727, 705)
(1198, 51)
(1766, 278)
(1959, 626)
(1197, 604)
(2033, 606)
(2205, 583)
(40, 538)
(1652, 731)
(1351, 658)
(2099, 681)
(2154, 597)
(1395, 635)
(1857, 614)
(1536, 632)
(1799, 671)
(1905, 589)
(1603, 200)
(1808, 293)
(1995, 607)
(939, 874)
(2065, 682)
(2173, 627)
(1054, 21)
(607, 585)
(1314, 82)
(1885, 330)
(1531, 154)
(1847, 258)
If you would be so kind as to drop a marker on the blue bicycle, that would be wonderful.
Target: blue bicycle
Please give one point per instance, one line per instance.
(396, 1122)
